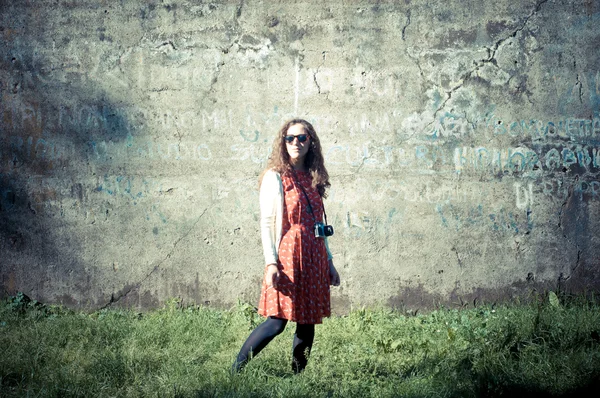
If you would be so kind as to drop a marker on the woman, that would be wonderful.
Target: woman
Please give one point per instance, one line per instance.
(299, 267)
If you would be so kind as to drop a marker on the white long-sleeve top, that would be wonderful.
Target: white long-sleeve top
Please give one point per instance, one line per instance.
(271, 216)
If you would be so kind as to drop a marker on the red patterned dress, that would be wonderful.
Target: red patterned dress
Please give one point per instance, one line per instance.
(302, 293)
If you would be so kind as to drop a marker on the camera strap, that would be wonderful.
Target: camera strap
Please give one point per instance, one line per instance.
(308, 200)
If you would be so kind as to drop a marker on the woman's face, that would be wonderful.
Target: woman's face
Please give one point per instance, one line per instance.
(295, 148)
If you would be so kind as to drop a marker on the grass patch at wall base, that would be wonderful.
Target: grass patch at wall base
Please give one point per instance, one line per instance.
(550, 348)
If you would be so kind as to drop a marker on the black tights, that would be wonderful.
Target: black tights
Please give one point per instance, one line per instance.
(266, 331)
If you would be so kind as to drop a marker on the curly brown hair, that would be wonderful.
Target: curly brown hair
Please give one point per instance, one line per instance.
(280, 159)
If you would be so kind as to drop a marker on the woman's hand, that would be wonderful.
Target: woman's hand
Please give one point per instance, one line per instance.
(272, 275)
(334, 277)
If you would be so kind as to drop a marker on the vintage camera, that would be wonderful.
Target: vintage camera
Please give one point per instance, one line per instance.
(322, 230)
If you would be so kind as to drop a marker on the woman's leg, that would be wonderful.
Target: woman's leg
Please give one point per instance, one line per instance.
(303, 340)
(258, 339)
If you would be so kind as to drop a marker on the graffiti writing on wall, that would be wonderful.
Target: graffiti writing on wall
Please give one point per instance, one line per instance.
(562, 188)
(525, 159)
(35, 148)
(573, 129)
(18, 114)
(497, 219)
(397, 190)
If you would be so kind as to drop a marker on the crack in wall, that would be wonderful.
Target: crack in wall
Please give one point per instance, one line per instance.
(228, 48)
(362, 163)
(215, 77)
(491, 59)
(580, 89)
(449, 94)
(114, 299)
(168, 43)
(560, 213)
(316, 82)
(406, 25)
(238, 11)
(578, 262)
(560, 226)
(179, 134)
(455, 250)
(235, 26)
(472, 123)
(416, 61)
(324, 53)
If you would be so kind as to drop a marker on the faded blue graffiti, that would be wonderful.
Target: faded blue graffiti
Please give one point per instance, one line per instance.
(573, 129)
(525, 159)
(497, 219)
(130, 187)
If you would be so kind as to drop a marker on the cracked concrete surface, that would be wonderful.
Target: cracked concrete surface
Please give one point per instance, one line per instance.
(461, 138)
(126, 291)
(406, 25)
(490, 60)
(317, 72)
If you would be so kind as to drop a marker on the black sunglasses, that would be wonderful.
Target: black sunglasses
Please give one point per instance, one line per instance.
(301, 138)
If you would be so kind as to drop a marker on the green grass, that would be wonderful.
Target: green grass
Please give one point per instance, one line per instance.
(549, 348)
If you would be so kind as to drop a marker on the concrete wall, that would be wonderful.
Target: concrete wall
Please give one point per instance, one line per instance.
(462, 139)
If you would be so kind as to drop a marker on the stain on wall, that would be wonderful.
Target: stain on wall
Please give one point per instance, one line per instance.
(462, 139)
